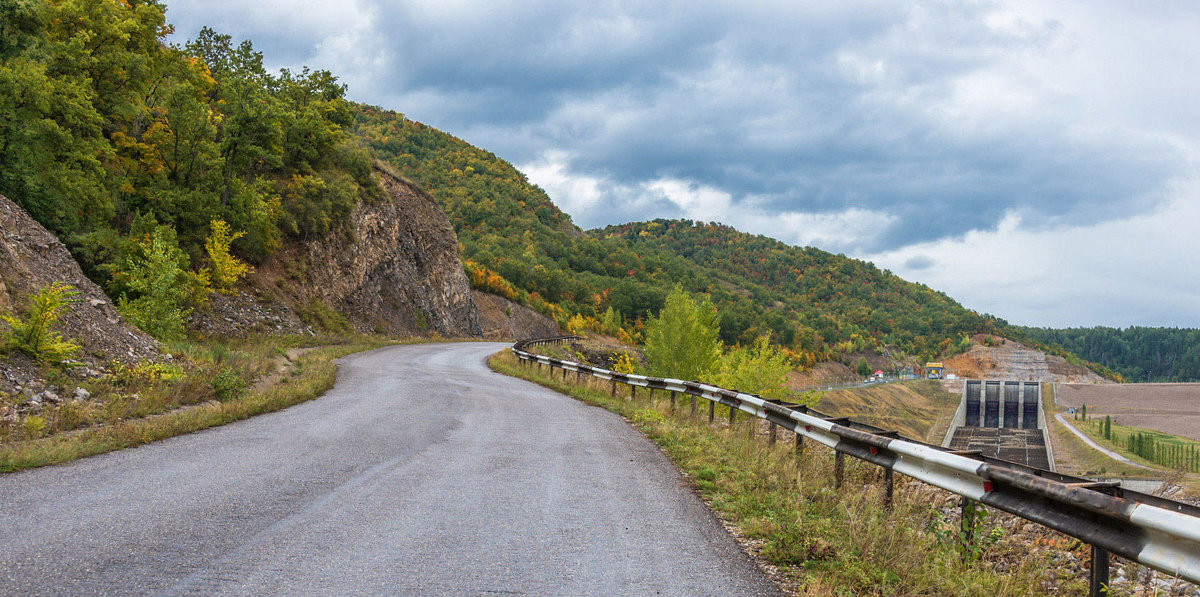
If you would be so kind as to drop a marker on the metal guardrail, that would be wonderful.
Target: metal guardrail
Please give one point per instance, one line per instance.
(1160, 533)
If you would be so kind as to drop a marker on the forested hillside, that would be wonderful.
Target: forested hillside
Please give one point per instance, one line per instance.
(151, 160)
(1139, 354)
(817, 304)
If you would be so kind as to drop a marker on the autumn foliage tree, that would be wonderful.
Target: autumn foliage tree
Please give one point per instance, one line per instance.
(226, 269)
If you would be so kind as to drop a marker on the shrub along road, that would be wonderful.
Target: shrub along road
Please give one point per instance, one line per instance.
(420, 472)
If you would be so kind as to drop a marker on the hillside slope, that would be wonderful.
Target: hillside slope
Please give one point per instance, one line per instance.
(821, 305)
(31, 258)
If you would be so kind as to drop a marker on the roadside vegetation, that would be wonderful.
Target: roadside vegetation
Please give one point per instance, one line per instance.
(168, 170)
(822, 541)
(204, 385)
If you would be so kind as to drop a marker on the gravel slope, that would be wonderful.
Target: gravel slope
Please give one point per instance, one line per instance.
(420, 473)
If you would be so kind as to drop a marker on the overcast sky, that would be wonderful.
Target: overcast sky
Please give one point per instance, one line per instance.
(1034, 160)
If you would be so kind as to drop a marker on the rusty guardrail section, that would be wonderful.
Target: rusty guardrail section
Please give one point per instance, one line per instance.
(1157, 532)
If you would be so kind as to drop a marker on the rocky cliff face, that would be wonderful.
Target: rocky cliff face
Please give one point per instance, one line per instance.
(30, 258)
(502, 319)
(395, 268)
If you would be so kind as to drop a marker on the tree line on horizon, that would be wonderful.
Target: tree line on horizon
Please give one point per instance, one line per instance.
(1138, 354)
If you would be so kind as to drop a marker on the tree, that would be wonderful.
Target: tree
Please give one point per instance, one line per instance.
(161, 291)
(759, 369)
(682, 340)
(863, 369)
(36, 336)
(226, 269)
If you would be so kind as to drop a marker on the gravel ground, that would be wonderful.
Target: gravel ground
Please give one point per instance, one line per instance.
(420, 473)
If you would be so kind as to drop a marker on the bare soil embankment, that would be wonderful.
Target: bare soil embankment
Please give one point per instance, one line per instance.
(1169, 407)
(1015, 361)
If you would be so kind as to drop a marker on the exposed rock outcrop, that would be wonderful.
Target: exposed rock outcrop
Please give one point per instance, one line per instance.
(30, 258)
(502, 319)
(1013, 360)
(394, 268)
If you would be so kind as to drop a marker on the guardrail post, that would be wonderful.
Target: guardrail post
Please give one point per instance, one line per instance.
(771, 438)
(672, 401)
(650, 395)
(1098, 585)
(799, 443)
(887, 486)
(632, 391)
(732, 413)
(1098, 579)
(614, 387)
(839, 467)
(712, 410)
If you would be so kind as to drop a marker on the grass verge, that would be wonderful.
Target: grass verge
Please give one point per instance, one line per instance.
(1163, 450)
(307, 377)
(818, 540)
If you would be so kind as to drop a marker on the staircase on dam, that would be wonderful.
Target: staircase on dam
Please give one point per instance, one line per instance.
(1002, 419)
(1026, 446)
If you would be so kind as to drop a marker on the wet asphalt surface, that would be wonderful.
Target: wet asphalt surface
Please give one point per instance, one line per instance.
(420, 473)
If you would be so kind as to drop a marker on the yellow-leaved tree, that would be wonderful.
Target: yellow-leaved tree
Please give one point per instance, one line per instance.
(577, 325)
(761, 369)
(226, 269)
(35, 335)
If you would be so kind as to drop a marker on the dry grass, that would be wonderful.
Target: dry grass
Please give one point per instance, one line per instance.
(821, 541)
(918, 409)
(137, 405)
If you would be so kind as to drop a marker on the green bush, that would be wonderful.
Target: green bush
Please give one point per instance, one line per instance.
(321, 316)
(759, 369)
(36, 336)
(227, 384)
(160, 291)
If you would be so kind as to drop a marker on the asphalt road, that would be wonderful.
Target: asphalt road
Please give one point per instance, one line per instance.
(420, 473)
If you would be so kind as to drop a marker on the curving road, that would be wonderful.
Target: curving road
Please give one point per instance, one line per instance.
(420, 473)
(1087, 440)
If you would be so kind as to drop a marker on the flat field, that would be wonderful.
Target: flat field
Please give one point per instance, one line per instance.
(1170, 407)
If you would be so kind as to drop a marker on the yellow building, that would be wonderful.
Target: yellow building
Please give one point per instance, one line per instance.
(933, 370)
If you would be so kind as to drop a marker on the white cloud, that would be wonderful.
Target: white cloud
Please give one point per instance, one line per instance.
(1137, 271)
(585, 197)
